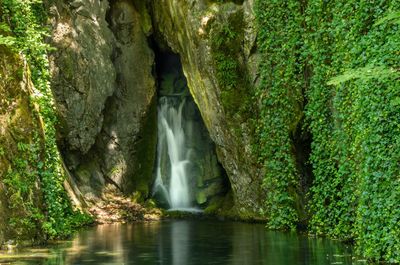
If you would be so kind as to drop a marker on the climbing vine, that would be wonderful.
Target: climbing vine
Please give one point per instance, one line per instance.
(280, 98)
(24, 21)
(345, 56)
(20, 180)
(356, 157)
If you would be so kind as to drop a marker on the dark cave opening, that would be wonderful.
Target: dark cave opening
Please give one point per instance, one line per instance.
(185, 154)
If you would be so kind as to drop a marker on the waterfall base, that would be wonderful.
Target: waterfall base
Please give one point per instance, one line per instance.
(189, 210)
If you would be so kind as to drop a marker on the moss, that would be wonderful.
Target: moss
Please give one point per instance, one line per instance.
(150, 204)
(137, 197)
(201, 197)
(224, 207)
(68, 63)
(20, 144)
(214, 205)
(182, 215)
(221, 205)
(227, 35)
(238, 2)
(145, 19)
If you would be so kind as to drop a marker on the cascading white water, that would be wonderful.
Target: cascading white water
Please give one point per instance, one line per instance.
(171, 135)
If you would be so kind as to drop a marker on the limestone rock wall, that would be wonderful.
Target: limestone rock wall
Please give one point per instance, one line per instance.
(196, 30)
(130, 127)
(105, 91)
(84, 76)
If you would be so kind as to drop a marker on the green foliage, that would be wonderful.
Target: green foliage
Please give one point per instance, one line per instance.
(20, 181)
(365, 74)
(8, 41)
(26, 20)
(345, 56)
(226, 38)
(333, 194)
(355, 124)
(392, 17)
(280, 97)
(239, 2)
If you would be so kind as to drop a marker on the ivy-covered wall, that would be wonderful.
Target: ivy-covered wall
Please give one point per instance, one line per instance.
(20, 151)
(280, 97)
(34, 172)
(340, 59)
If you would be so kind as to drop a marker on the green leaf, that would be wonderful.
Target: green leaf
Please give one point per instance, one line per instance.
(365, 73)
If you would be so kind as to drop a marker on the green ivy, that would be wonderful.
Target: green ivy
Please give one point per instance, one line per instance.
(352, 101)
(344, 56)
(23, 21)
(20, 180)
(280, 98)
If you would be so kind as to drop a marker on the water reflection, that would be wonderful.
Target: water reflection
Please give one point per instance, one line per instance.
(180, 243)
(186, 242)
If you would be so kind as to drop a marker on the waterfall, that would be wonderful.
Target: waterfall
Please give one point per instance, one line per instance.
(172, 154)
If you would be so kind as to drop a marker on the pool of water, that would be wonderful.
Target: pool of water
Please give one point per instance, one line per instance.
(183, 242)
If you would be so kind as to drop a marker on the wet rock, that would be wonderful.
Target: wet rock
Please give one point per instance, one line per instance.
(191, 29)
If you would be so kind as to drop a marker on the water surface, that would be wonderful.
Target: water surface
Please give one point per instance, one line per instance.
(183, 242)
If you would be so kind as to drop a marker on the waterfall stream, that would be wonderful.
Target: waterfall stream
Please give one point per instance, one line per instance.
(172, 154)
(186, 171)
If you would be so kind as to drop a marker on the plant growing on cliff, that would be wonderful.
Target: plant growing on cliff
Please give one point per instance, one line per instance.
(280, 96)
(226, 37)
(20, 181)
(354, 120)
(353, 112)
(26, 20)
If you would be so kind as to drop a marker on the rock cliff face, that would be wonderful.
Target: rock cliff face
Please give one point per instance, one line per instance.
(216, 43)
(103, 83)
(106, 93)
(84, 76)
(20, 129)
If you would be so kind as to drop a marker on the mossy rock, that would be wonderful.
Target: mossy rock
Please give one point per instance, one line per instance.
(182, 215)
(220, 205)
(146, 150)
(201, 198)
(238, 2)
(227, 35)
(21, 144)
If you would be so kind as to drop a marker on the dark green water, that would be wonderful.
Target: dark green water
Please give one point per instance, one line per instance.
(186, 242)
